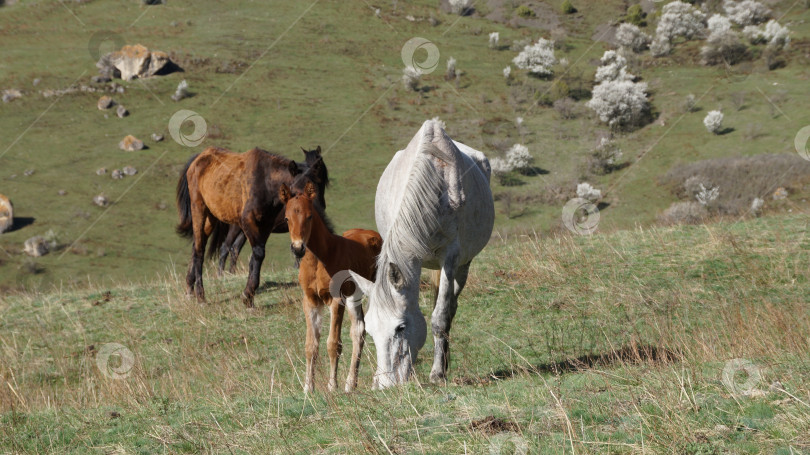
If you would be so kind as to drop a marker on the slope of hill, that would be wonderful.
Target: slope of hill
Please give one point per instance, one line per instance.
(679, 340)
(286, 74)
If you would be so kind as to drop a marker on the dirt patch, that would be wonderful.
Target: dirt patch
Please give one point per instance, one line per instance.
(544, 18)
(605, 33)
(491, 425)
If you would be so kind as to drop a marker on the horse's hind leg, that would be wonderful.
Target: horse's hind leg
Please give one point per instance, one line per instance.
(203, 225)
(234, 233)
(355, 308)
(334, 345)
(236, 248)
(257, 241)
(452, 282)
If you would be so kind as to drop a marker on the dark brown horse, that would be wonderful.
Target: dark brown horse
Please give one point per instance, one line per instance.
(230, 243)
(220, 187)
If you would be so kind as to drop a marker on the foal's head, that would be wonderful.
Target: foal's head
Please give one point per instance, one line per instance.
(299, 213)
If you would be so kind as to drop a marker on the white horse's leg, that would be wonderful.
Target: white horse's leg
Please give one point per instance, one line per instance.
(444, 311)
(358, 333)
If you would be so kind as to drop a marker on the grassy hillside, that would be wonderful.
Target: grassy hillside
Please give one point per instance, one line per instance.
(286, 74)
(607, 344)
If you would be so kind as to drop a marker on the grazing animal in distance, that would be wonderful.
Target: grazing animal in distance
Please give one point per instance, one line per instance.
(434, 209)
(230, 243)
(325, 259)
(219, 187)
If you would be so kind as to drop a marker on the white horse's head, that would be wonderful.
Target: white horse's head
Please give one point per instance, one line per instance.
(394, 321)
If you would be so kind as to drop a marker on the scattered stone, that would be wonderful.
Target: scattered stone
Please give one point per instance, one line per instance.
(6, 214)
(61, 193)
(36, 246)
(117, 174)
(130, 144)
(182, 91)
(11, 95)
(36, 81)
(100, 79)
(105, 102)
(121, 112)
(101, 171)
(129, 170)
(101, 200)
(780, 194)
(157, 137)
(29, 172)
(120, 89)
(162, 205)
(132, 61)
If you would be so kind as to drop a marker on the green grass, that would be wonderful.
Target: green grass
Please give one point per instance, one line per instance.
(606, 344)
(331, 76)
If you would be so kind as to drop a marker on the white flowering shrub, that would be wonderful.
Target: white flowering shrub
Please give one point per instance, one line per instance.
(621, 104)
(660, 47)
(605, 157)
(451, 69)
(614, 68)
(754, 34)
(411, 77)
(718, 25)
(537, 58)
(499, 166)
(679, 19)
(756, 206)
(507, 72)
(587, 192)
(746, 12)
(631, 37)
(776, 34)
(460, 6)
(519, 158)
(713, 121)
(494, 37)
(707, 195)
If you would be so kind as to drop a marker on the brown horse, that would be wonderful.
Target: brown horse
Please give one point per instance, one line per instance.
(218, 186)
(323, 275)
(230, 244)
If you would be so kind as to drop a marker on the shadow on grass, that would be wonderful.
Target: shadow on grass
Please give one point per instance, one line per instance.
(21, 222)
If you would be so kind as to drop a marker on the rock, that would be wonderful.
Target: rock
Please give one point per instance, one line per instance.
(130, 144)
(101, 200)
(36, 246)
(11, 95)
(29, 172)
(780, 194)
(105, 102)
(129, 170)
(6, 214)
(117, 174)
(61, 193)
(121, 112)
(36, 81)
(157, 137)
(100, 79)
(101, 171)
(133, 61)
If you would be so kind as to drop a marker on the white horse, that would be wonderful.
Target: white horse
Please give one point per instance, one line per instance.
(434, 209)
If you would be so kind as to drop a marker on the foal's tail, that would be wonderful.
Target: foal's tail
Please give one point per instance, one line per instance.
(185, 227)
(435, 278)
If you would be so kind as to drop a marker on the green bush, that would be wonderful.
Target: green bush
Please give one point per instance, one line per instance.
(524, 11)
(635, 15)
(567, 7)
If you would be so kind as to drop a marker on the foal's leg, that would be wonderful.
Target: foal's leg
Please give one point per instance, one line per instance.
(334, 345)
(355, 308)
(313, 316)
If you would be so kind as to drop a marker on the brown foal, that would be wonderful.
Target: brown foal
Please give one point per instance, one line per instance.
(326, 256)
